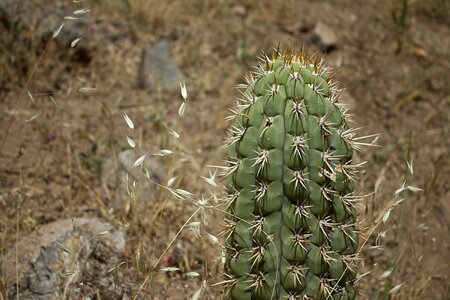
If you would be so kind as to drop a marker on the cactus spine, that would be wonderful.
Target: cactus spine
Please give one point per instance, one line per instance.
(290, 218)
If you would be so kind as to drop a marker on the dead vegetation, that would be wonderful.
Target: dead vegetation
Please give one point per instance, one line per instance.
(62, 116)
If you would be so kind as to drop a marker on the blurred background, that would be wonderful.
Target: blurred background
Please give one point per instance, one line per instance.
(74, 225)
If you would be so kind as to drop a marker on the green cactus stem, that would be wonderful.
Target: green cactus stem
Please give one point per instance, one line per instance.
(290, 214)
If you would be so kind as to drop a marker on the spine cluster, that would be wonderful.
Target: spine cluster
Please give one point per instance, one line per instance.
(290, 221)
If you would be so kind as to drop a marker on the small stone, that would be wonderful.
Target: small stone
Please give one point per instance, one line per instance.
(296, 28)
(111, 177)
(323, 37)
(157, 68)
(46, 19)
(239, 10)
(50, 258)
(127, 159)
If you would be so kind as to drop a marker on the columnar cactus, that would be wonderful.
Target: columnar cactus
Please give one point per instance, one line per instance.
(290, 215)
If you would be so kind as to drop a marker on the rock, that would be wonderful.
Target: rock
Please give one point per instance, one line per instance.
(111, 177)
(323, 37)
(127, 159)
(63, 255)
(43, 20)
(239, 10)
(295, 28)
(5, 20)
(157, 68)
(84, 50)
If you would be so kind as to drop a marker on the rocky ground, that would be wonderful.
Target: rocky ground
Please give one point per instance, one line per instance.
(68, 226)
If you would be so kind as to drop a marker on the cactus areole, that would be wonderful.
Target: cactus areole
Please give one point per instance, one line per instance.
(290, 220)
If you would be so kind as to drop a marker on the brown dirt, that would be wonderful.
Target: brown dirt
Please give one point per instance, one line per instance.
(50, 167)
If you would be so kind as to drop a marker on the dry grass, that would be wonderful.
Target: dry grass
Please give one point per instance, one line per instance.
(54, 160)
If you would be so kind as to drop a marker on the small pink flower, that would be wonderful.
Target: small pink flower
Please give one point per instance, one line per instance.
(92, 28)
